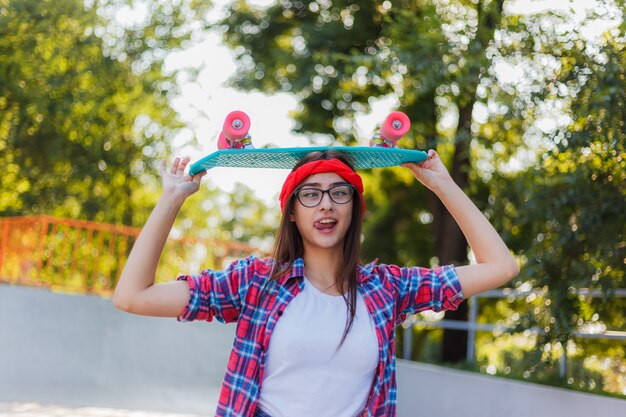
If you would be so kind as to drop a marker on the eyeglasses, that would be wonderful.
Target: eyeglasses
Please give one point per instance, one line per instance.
(339, 194)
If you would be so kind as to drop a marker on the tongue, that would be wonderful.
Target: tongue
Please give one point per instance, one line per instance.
(324, 226)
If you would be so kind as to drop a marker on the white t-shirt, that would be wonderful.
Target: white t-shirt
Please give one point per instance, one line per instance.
(303, 376)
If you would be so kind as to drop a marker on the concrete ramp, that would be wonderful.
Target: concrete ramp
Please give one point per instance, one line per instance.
(81, 351)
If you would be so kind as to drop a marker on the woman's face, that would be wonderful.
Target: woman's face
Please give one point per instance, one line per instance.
(325, 225)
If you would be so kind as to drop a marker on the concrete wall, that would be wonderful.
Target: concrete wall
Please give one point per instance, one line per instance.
(80, 350)
(425, 390)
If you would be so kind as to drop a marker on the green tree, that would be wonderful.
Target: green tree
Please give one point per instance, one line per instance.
(441, 61)
(569, 207)
(336, 56)
(236, 216)
(84, 104)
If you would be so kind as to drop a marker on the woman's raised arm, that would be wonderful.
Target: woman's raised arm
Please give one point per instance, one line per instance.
(494, 263)
(135, 291)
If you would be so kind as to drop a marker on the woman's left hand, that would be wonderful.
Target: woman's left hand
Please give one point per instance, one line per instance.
(431, 172)
(494, 264)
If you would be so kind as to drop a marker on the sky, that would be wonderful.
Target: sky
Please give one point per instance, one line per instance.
(205, 101)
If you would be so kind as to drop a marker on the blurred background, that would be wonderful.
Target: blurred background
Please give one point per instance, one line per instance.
(523, 99)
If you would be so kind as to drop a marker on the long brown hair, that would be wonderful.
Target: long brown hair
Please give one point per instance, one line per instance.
(289, 245)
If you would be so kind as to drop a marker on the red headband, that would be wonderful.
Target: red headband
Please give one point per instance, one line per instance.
(316, 167)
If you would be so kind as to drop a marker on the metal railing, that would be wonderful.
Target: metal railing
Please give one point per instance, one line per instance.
(88, 257)
(472, 326)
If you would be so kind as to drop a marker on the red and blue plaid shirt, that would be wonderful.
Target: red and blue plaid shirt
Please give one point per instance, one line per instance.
(233, 295)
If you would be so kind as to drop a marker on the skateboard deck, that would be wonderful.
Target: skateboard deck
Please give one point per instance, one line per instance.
(361, 157)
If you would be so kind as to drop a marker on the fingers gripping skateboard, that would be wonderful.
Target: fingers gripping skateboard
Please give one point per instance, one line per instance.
(396, 125)
(234, 134)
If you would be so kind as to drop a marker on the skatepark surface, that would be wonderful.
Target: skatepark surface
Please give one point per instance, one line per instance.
(30, 409)
(66, 355)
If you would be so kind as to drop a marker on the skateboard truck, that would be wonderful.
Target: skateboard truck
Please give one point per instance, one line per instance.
(234, 134)
(393, 128)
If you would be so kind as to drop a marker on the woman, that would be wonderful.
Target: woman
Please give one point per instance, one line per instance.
(315, 329)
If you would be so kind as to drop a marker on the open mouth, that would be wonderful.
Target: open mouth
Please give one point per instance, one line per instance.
(325, 225)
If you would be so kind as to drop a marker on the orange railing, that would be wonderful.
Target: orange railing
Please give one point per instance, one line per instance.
(88, 257)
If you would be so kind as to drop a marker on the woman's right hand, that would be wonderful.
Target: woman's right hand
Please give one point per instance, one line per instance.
(136, 291)
(176, 183)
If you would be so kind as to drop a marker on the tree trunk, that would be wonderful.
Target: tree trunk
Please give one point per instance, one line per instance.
(451, 244)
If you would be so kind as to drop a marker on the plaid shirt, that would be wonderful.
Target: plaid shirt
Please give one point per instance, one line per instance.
(233, 295)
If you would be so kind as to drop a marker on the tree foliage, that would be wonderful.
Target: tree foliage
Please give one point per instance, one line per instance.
(85, 114)
(525, 109)
(337, 56)
(84, 103)
(84, 110)
(569, 207)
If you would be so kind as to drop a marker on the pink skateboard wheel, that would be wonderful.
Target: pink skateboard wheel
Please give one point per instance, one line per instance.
(395, 126)
(236, 126)
(222, 142)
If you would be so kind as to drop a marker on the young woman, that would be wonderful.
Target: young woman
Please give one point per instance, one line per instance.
(315, 329)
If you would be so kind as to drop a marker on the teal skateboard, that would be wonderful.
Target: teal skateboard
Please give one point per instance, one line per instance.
(361, 157)
(236, 149)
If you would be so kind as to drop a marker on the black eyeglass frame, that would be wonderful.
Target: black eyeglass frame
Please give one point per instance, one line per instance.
(327, 191)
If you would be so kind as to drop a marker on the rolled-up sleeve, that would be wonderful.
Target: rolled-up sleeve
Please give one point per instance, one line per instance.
(218, 294)
(419, 289)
